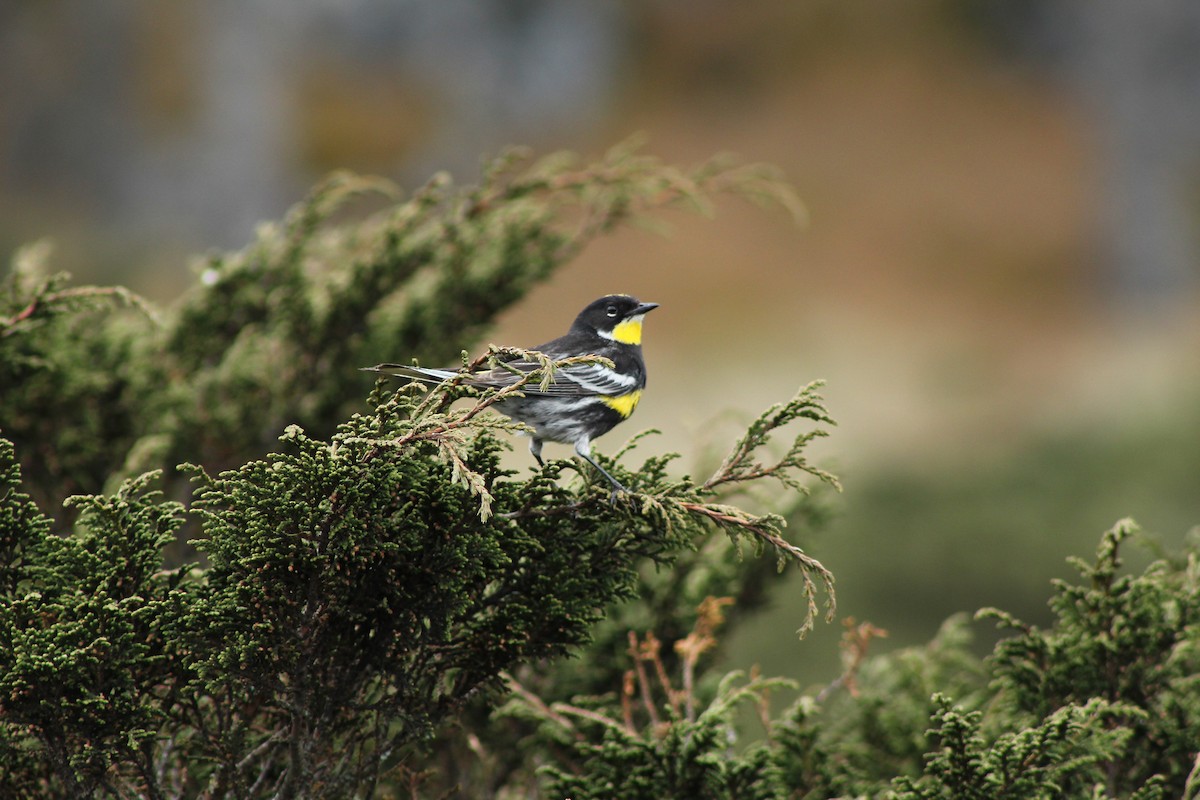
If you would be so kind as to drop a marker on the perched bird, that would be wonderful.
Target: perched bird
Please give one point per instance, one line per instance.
(583, 401)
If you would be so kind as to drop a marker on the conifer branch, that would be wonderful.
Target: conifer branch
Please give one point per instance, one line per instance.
(46, 303)
(766, 530)
(740, 465)
(621, 185)
(641, 653)
(365, 582)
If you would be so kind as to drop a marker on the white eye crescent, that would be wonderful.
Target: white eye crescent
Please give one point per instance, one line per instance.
(611, 311)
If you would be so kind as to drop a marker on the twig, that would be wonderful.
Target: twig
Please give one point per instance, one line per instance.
(538, 704)
(8, 325)
(628, 689)
(528, 512)
(764, 528)
(764, 699)
(586, 713)
(755, 526)
(258, 750)
(739, 466)
(696, 643)
(1191, 788)
(854, 645)
(652, 652)
(643, 680)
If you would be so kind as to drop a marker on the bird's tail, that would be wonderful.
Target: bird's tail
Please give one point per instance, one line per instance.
(423, 374)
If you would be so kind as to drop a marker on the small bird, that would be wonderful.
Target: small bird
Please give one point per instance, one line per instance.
(582, 402)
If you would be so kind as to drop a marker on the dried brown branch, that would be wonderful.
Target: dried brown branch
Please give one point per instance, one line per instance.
(637, 652)
(628, 690)
(695, 644)
(856, 640)
(763, 703)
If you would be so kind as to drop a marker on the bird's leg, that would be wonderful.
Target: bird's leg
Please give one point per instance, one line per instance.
(584, 450)
(535, 447)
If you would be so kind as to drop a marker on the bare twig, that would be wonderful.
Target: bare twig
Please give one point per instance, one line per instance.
(628, 689)
(695, 644)
(1191, 788)
(643, 680)
(586, 713)
(763, 704)
(854, 645)
(538, 704)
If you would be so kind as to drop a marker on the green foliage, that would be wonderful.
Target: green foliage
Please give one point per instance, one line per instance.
(678, 758)
(369, 584)
(355, 599)
(887, 728)
(72, 395)
(82, 644)
(872, 721)
(1055, 758)
(361, 591)
(1132, 640)
(21, 523)
(271, 336)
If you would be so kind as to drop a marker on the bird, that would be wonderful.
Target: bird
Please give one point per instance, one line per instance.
(582, 401)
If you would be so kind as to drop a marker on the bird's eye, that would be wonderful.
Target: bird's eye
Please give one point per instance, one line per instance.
(611, 311)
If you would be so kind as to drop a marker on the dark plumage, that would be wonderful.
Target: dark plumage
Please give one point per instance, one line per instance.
(582, 402)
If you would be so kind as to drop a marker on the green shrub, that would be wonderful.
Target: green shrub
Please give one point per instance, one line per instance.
(225, 575)
(342, 587)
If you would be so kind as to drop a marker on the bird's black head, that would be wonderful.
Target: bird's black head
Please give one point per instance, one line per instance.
(616, 316)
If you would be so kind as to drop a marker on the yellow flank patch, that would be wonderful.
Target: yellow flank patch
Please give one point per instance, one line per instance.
(628, 332)
(623, 404)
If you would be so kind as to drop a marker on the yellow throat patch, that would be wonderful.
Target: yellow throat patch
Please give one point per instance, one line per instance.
(624, 404)
(628, 332)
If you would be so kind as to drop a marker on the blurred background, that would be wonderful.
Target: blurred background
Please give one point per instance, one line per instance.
(999, 277)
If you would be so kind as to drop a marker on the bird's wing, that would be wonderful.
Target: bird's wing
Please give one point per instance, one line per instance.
(581, 380)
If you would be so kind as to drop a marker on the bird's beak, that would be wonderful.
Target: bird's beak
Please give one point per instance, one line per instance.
(643, 308)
